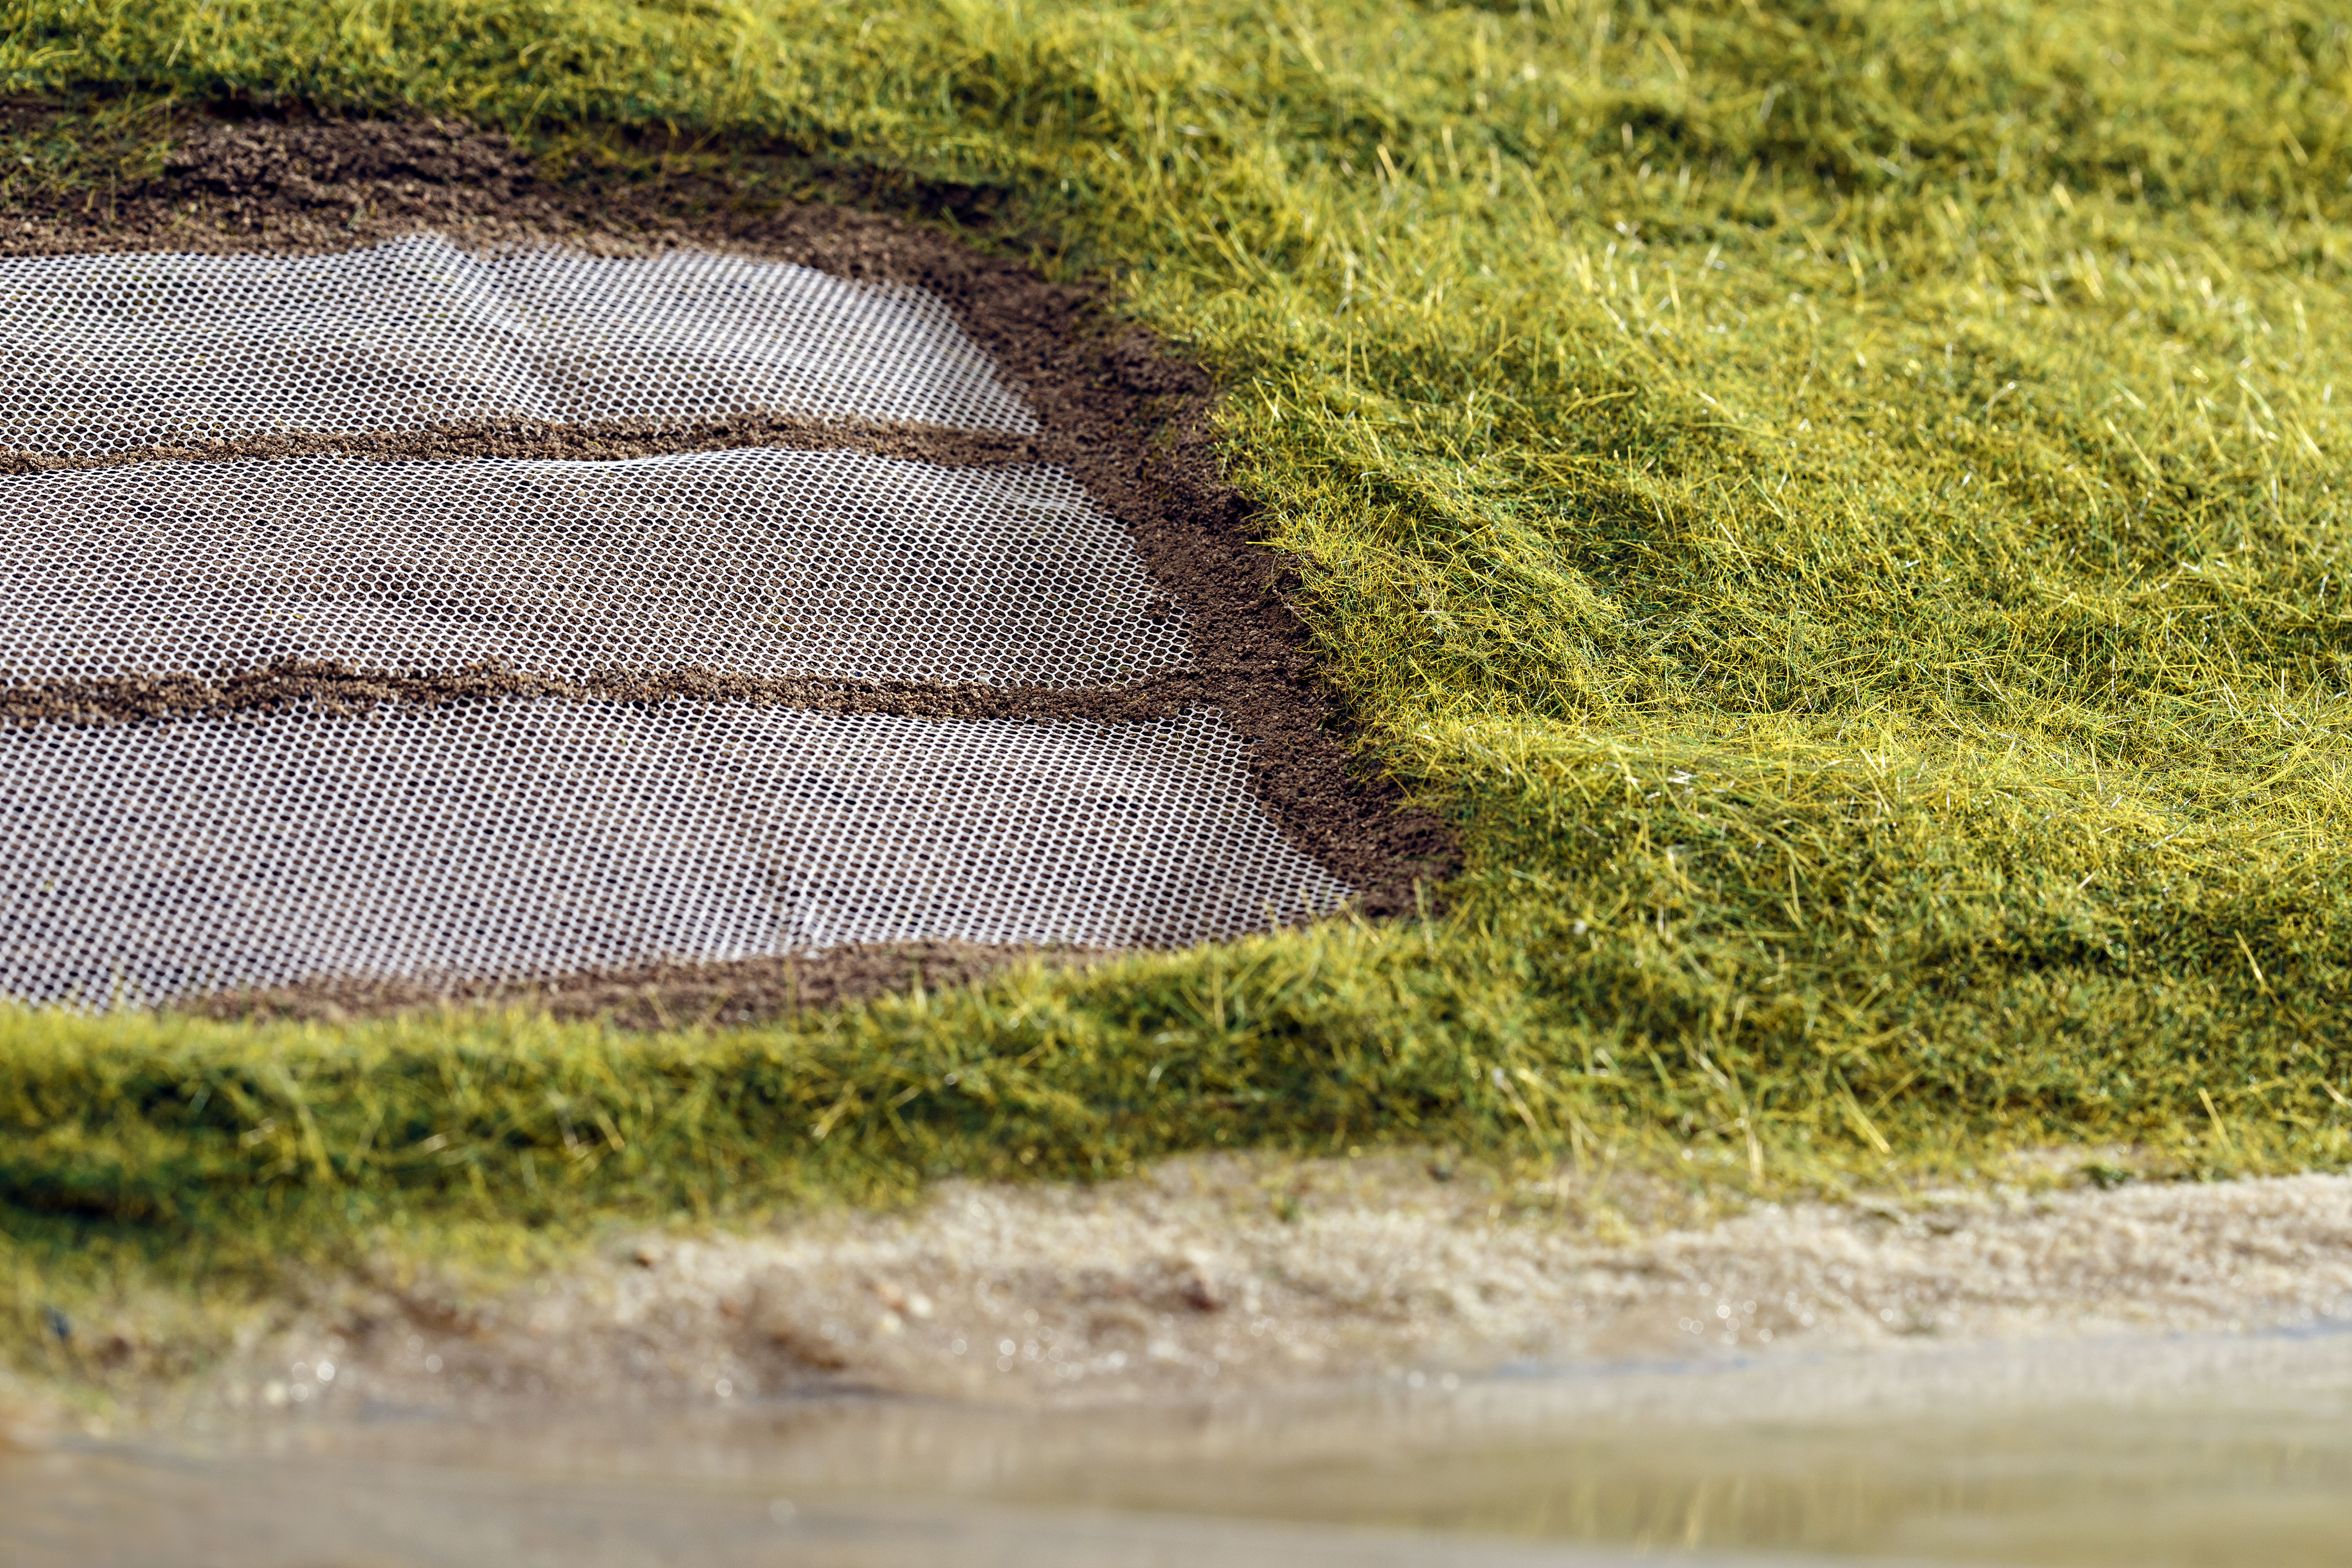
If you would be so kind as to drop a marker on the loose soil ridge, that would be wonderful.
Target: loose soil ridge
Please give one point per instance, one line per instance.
(345, 691)
(658, 996)
(604, 441)
(1126, 418)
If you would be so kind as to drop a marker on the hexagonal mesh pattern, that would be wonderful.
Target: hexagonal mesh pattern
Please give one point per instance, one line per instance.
(146, 862)
(107, 353)
(761, 562)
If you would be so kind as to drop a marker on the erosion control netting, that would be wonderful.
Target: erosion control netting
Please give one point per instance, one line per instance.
(107, 353)
(444, 838)
(773, 563)
(151, 861)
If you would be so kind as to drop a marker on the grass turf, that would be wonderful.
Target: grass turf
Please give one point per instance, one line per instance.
(1843, 503)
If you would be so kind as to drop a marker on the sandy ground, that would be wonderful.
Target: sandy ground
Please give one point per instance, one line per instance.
(1219, 1276)
(1205, 1363)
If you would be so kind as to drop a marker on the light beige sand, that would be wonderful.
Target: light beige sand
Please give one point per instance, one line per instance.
(25, 1416)
(1227, 1275)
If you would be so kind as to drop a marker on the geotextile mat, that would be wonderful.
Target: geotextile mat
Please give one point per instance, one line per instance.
(1109, 615)
(755, 560)
(127, 349)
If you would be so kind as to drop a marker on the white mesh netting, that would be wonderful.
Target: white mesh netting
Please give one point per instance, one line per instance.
(761, 562)
(145, 862)
(104, 353)
(152, 860)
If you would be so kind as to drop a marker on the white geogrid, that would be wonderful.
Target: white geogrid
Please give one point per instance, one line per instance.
(149, 861)
(761, 562)
(110, 353)
(142, 863)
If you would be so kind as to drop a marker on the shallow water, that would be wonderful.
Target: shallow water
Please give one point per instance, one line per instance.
(2189, 1450)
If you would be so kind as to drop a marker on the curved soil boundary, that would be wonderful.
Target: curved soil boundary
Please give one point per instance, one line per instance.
(1126, 418)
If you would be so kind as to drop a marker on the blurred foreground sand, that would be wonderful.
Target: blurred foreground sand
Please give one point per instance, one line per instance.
(1226, 1274)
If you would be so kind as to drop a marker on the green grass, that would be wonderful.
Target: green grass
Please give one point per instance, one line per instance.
(1843, 503)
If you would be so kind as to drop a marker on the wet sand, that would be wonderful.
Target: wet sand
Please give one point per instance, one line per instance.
(2175, 1451)
(1260, 1360)
(1217, 1277)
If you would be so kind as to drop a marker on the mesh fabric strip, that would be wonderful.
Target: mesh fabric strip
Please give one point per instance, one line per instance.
(152, 860)
(760, 562)
(104, 353)
(145, 862)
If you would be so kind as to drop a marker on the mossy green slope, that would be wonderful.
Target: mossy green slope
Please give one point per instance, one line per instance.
(1843, 502)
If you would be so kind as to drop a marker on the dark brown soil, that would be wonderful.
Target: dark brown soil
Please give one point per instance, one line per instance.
(340, 689)
(1126, 417)
(660, 995)
(604, 442)
(306, 185)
